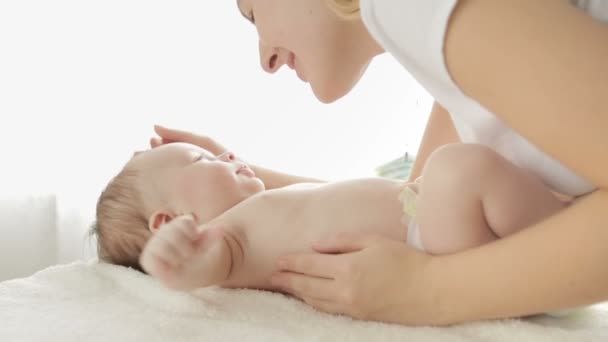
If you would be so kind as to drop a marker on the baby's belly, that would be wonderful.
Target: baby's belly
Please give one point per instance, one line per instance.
(370, 206)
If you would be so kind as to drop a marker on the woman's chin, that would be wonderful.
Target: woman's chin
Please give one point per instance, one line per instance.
(329, 94)
(332, 89)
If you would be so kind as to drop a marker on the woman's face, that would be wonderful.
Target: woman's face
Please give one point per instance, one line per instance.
(326, 51)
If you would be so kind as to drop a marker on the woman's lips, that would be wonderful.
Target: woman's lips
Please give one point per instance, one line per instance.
(291, 62)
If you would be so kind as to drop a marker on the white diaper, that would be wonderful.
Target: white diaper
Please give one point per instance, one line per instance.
(413, 235)
(408, 199)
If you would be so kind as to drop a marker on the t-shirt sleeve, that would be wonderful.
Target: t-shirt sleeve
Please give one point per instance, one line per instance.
(413, 29)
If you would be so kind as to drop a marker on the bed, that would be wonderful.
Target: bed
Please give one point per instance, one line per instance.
(89, 301)
(75, 298)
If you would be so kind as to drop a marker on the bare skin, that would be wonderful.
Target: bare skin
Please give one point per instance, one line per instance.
(485, 198)
(545, 80)
(266, 225)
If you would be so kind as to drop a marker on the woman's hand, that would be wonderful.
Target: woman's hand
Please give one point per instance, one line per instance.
(366, 277)
(169, 135)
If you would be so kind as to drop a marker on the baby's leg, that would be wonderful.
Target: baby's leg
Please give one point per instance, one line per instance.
(470, 195)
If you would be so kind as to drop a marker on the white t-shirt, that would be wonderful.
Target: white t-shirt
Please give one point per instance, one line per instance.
(413, 31)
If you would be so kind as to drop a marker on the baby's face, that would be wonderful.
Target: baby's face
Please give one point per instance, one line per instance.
(189, 179)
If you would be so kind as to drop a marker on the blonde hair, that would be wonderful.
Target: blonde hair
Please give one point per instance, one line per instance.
(347, 9)
(120, 226)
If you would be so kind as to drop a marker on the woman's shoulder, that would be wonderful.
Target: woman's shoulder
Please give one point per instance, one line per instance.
(407, 19)
(596, 8)
(413, 31)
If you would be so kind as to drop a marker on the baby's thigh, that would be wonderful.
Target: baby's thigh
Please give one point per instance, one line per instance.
(449, 212)
(460, 165)
(452, 177)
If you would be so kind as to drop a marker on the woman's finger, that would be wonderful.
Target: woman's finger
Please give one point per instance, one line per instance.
(344, 243)
(303, 286)
(170, 134)
(155, 142)
(163, 131)
(311, 264)
(325, 305)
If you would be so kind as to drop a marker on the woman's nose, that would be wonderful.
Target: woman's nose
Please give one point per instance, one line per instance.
(272, 59)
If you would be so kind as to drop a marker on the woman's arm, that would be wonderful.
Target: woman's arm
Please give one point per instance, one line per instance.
(542, 67)
(439, 131)
(557, 264)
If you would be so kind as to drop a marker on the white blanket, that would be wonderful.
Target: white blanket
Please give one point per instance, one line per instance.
(97, 302)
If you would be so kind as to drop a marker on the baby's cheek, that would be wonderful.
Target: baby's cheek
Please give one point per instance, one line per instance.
(220, 181)
(225, 177)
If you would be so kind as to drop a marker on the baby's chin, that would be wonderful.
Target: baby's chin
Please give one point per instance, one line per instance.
(260, 186)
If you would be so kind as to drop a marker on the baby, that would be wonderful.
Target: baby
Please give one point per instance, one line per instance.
(467, 196)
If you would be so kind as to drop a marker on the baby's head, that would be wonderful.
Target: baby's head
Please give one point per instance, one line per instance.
(159, 184)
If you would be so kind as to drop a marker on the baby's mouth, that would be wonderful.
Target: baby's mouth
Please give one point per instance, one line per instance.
(245, 170)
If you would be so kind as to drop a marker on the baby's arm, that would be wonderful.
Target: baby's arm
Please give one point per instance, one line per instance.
(241, 245)
(184, 257)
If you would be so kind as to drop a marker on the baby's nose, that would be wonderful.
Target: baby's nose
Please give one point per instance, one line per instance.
(227, 157)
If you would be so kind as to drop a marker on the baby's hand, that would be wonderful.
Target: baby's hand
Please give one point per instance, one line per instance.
(169, 248)
(184, 258)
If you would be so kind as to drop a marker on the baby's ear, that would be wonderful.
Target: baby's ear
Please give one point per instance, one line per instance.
(158, 218)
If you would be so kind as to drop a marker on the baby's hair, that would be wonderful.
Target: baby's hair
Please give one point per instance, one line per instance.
(120, 226)
(347, 9)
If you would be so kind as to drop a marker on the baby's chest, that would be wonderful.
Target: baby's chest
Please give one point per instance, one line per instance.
(355, 209)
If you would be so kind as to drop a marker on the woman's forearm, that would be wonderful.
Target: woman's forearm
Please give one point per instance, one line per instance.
(556, 264)
(274, 179)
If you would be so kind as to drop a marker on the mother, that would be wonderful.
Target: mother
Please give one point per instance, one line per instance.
(528, 79)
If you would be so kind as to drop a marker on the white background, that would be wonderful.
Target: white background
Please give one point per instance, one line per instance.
(82, 83)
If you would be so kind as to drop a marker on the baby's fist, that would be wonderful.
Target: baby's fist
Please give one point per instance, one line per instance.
(172, 245)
